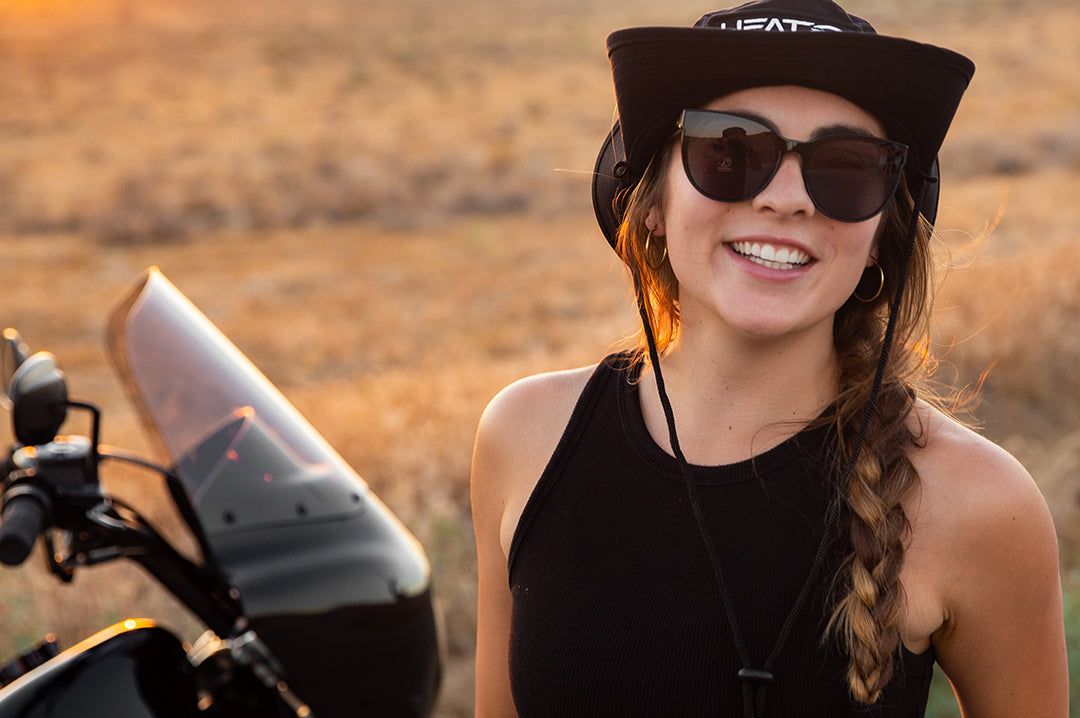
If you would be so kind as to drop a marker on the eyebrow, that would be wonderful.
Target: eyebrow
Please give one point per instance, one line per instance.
(841, 129)
(834, 129)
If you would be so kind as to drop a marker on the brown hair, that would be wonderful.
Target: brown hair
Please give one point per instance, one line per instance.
(655, 281)
(868, 597)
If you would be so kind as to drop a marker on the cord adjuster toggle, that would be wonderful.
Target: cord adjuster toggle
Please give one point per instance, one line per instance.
(754, 675)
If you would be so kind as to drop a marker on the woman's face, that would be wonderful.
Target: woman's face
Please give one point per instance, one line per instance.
(716, 248)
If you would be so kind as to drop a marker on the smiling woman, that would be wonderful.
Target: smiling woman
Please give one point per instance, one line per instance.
(778, 193)
(759, 510)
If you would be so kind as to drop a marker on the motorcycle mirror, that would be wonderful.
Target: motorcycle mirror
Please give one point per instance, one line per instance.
(39, 399)
(13, 352)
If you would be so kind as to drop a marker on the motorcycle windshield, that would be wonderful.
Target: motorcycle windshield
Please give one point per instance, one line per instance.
(252, 468)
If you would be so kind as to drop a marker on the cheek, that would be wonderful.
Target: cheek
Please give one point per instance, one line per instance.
(878, 228)
(858, 241)
(686, 211)
(672, 197)
(856, 249)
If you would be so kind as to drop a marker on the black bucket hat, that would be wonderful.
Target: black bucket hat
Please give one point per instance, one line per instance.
(912, 88)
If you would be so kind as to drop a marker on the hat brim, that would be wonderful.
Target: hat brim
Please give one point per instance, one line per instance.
(912, 88)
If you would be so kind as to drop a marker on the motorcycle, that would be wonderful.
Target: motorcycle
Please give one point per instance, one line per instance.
(316, 600)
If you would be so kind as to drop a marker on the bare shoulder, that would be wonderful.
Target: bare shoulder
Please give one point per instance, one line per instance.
(975, 497)
(985, 560)
(971, 476)
(518, 432)
(532, 404)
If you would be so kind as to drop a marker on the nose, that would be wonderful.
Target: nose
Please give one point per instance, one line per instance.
(786, 192)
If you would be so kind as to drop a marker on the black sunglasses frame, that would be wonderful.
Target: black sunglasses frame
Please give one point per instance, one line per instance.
(891, 157)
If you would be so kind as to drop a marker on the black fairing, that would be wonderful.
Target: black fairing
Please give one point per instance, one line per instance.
(378, 660)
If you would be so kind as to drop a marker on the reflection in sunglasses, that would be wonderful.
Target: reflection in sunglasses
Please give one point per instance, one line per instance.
(730, 158)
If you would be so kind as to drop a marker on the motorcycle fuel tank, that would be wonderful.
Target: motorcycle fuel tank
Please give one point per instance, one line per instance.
(133, 669)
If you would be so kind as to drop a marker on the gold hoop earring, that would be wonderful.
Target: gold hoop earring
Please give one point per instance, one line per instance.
(663, 255)
(881, 285)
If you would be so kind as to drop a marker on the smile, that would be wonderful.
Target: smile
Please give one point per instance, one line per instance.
(769, 256)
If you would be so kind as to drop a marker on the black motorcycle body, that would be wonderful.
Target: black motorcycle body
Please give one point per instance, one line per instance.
(134, 669)
(317, 599)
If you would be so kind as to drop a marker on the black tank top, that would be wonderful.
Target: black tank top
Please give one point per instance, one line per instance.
(615, 608)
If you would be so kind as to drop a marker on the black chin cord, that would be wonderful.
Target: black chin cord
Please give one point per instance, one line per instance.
(760, 678)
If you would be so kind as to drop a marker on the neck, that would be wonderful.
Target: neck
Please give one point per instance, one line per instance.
(734, 397)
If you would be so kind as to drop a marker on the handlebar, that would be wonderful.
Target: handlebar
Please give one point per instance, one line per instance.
(22, 520)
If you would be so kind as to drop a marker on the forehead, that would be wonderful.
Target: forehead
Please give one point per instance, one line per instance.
(799, 112)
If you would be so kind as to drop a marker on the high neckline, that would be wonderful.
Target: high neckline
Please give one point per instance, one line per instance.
(805, 442)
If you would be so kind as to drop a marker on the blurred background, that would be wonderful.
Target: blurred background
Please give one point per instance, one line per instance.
(385, 204)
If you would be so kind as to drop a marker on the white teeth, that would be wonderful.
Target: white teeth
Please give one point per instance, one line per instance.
(769, 256)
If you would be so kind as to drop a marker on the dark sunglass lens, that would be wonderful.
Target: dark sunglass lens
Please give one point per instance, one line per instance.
(732, 158)
(850, 179)
(729, 159)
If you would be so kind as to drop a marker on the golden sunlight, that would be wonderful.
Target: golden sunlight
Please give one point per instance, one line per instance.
(58, 11)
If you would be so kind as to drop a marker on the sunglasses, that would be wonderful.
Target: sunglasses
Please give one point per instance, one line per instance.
(849, 177)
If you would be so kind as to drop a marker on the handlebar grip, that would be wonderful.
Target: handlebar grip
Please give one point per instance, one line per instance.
(23, 520)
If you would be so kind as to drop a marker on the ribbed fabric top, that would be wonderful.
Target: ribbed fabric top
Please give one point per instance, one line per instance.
(615, 608)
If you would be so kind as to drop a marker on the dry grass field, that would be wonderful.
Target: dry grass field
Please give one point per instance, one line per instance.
(385, 204)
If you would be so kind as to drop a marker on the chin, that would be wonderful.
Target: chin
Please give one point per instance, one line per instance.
(780, 326)
(765, 332)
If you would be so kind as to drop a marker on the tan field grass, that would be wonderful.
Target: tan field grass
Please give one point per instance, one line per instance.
(385, 205)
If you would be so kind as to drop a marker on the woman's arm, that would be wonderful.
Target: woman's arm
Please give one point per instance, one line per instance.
(1003, 641)
(518, 433)
(493, 697)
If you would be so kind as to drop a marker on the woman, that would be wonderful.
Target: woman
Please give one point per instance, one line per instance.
(759, 511)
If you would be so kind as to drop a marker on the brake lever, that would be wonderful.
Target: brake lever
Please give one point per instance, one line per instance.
(100, 535)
